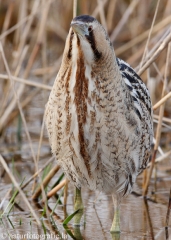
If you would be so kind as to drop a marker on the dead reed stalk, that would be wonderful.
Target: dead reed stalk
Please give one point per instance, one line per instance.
(158, 132)
(19, 189)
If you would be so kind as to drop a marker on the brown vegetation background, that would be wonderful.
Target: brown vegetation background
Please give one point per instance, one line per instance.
(32, 40)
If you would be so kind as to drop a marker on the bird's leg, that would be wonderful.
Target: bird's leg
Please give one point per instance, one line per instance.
(116, 220)
(78, 205)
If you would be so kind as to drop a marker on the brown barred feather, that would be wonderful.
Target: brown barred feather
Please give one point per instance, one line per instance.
(99, 114)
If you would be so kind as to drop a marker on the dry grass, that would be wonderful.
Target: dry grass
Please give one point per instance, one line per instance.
(31, 44)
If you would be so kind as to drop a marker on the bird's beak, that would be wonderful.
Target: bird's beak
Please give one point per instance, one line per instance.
(78, 28)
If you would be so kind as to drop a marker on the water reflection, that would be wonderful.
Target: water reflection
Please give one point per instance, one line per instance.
(141, 218)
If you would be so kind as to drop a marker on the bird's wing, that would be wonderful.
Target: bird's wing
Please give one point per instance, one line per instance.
(138, 89)
(142, 104)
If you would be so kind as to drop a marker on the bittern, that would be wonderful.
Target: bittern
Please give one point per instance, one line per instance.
(98, 116)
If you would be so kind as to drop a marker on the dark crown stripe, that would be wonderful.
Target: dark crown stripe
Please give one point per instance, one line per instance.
(84, 18)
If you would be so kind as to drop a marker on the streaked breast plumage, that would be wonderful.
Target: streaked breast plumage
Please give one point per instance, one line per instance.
(98, 115)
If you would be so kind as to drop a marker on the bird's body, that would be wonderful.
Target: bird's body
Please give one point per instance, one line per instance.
(98, 116)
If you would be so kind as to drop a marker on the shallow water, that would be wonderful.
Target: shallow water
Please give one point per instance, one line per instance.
(140, 219)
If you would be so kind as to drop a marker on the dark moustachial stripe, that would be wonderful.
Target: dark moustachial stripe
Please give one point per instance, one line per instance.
(92, 42)
(81, 95)
(70, 45)
(90, 37)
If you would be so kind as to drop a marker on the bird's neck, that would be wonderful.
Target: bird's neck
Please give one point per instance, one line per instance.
(100, 81)
(107, 77)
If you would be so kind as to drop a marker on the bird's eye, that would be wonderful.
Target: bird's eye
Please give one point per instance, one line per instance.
(90, 28)
(72, 33)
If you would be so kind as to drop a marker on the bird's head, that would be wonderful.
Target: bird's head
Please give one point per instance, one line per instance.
(88, 34)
